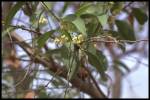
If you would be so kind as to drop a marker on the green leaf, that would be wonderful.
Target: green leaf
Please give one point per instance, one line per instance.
(117, 7)
(103, 19)
(68, 26)
(70, 17)
(43, 38)
(140, 16)
(102, 60)
(79, 23)
(94, 60)
(82, 9)
(92, 24)
(64, 52)
(96, 9)
(125, 30)
(74, 67)
(91, 8)
(118, 62)
(42, 92)
(12, 13)
(91, 48)
(70, 60)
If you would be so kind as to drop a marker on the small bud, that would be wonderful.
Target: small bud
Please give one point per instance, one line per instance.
(74, 39)
(57, 40)
(80, 37)
(63, 36)
(42, 20)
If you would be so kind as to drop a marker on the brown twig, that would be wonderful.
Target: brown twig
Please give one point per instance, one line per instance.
(23, 28)
(127, 5)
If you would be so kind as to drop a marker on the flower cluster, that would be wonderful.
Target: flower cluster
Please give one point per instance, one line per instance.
(42, 20)
(78, 39)
(60, 40)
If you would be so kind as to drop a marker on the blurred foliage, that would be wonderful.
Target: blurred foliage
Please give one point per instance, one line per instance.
(92, 20)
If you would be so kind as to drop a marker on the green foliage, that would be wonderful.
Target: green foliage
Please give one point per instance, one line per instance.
(102, 60)
(79, 23)
(140, 16)
(103, 19)
(117, 7)
(43, 38)
(92, 24)
(68, 26)
(59, 53)
(75, 22)
(70, 17)
(42, 92)
(125, 30)
(98, 61)
(64, 52)
(82, 9)
(97, 9)
(74, 66)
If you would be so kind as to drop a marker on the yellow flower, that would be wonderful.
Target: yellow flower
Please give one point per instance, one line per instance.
(57, 40)
(60, 40)
(64, 38)
(75, 39)
(42, 20)
(78, 39)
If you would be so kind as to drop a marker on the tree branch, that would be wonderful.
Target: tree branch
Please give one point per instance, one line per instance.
(76, 82)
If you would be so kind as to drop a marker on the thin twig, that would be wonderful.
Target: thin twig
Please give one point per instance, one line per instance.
(128, 41)
(50, 11)
(68, 74)
(24, 76)
(127, 5)
(57, 72)
(23, 28)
